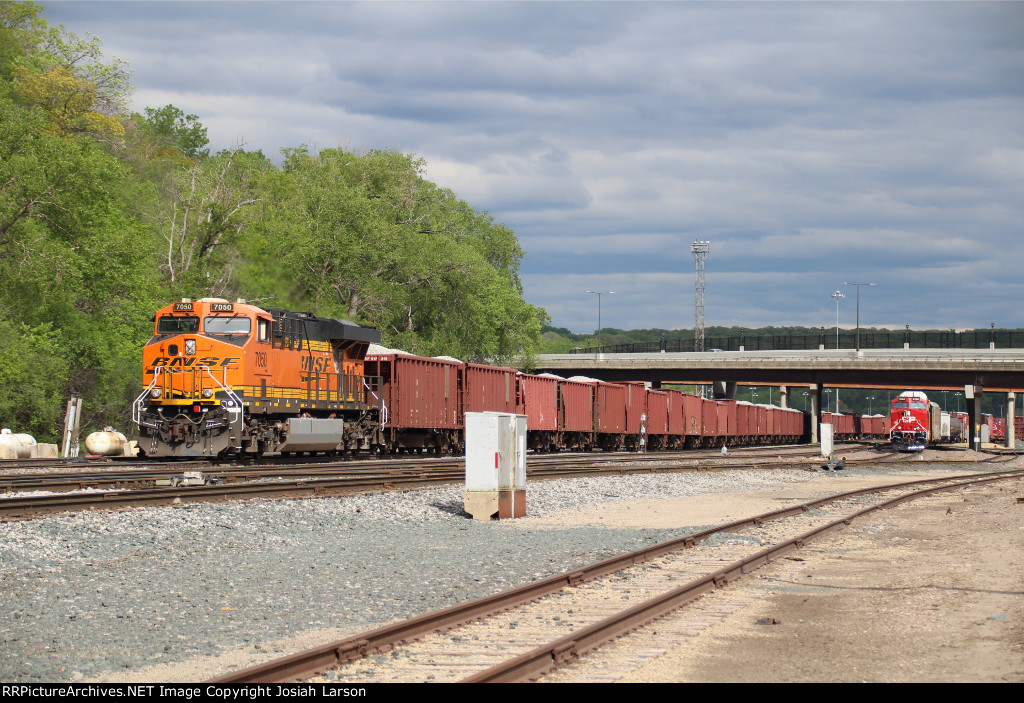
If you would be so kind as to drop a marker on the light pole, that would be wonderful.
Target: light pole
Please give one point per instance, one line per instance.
(837, 295)
(599, 293)
(805, 400)
(870, 404)
(958, 401)
(859, 285)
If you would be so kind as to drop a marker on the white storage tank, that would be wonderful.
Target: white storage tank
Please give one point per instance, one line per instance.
(15, 446)
(109, 442)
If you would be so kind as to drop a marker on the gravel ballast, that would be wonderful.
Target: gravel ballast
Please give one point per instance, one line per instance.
(89, 595)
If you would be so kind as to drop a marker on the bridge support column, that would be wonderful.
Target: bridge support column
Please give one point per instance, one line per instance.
(724, 389)
(815, 411)
(973, 395)
(783, 396)
(1011, 401)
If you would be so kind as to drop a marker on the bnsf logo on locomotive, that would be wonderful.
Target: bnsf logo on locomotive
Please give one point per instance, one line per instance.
(187, 361)
(318, 364)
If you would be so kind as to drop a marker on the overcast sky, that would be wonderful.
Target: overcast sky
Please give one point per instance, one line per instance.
(811, 143)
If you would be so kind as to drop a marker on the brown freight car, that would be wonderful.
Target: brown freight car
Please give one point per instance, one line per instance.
(421, 400)
(537, 398)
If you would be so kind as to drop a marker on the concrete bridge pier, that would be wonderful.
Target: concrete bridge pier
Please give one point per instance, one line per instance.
(783, 396)
(815, 389)
(1011, 400)
(973, 395)
(724, 389)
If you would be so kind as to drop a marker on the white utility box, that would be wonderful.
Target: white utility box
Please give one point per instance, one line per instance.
(495, 465)
(825, 432)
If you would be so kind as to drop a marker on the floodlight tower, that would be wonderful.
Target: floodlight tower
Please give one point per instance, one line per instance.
(700, 252)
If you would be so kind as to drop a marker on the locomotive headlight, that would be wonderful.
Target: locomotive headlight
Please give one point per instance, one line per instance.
(190, 346)
(155, 393)
(208, 393)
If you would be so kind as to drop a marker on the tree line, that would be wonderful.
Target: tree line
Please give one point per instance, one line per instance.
(107, 215)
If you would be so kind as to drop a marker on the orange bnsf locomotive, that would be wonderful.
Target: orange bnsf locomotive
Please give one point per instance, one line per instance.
(226, 378)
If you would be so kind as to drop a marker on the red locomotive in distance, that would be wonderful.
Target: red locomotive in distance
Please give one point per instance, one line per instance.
(916, 423)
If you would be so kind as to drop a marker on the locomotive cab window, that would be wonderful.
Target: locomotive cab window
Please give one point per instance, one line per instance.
(177, 325)
(227, 325)
(262, 330)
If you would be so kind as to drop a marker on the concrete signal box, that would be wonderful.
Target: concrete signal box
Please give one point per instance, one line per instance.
(495, 465)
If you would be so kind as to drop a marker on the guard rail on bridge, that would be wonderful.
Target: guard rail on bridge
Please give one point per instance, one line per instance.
(993, 369)
(968, 339)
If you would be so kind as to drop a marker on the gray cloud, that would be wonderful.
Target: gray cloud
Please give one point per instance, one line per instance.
(810, 142)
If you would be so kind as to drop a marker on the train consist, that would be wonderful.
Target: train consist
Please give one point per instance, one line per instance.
(917, 422)
(224, 379)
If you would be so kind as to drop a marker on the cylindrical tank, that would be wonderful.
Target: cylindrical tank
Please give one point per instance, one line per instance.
(109, 442)
(22, 443)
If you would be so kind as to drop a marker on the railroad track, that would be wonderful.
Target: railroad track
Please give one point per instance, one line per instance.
(145, 475)
(522, 634)
(86, 492)
(68, 494)
(88, 466)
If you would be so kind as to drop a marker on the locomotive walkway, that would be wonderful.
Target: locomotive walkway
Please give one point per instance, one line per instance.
(972, 371)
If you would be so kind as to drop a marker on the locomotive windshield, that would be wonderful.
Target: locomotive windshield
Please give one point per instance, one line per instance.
(227, 325)
(177, 325)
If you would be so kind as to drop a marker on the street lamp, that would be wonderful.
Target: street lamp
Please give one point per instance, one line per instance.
(805, 400)
(837, 295)
(958, 401)
(870, 405)
(599, 293)
(859, 285)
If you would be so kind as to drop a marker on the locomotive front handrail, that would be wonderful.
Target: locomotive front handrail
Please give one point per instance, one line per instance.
(137, 405)
(227, 389)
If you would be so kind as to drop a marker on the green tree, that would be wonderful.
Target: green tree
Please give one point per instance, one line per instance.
(171, 128)
(204, 213)
(370, 239)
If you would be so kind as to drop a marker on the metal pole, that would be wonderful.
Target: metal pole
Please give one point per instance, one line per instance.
(858, 307)
(837, 295)
(599, 294)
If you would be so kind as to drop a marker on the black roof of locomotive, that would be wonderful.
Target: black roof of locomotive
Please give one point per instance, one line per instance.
(328, 329)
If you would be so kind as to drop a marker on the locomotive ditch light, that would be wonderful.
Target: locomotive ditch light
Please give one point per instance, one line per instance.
(155, 393)
(208, 393)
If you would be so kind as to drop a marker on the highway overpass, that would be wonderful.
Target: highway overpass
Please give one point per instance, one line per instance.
(972, 371)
